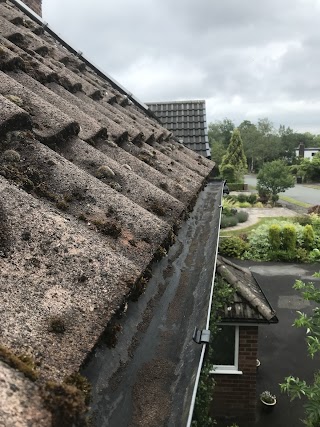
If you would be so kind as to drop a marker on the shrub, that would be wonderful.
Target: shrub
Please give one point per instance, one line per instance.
(228, 221)
(314, 255)
(315, 223)
(228, 172)
(298, 255)
(252, 198)
(233, 246)
(242, 216)
(242, 198)
(258, 205)
(308, 236)
(303, 219)
(259, 244)
(235, 186)
(275, 236)
(244, 205)
(289, 237)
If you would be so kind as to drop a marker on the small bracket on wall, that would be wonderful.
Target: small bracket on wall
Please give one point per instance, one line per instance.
(201, 336)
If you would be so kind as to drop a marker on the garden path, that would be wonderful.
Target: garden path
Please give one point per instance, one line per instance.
(257, 213)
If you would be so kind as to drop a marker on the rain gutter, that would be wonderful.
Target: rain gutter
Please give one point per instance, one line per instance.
(31, 14)
(195, 389)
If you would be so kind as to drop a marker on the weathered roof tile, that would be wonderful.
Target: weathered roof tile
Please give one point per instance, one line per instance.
(12, 116)
(49, 123)
(82, 217)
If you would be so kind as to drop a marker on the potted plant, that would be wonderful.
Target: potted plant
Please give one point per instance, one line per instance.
(268, 401)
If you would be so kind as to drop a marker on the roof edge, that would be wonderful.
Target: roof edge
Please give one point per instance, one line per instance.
(38, 19)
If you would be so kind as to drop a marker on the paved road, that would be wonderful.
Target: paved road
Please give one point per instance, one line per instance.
(282, 347)
(299, 192)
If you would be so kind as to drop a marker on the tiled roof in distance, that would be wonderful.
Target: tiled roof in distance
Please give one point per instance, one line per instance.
(91, 190)
(187, 121)
(248, 304)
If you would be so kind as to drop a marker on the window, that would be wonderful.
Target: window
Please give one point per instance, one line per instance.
(225, 348)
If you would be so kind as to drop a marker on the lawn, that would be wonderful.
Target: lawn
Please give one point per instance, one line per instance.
(294, 201)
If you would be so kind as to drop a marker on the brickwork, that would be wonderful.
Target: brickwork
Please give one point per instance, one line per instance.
(35, 5)
(235, 395)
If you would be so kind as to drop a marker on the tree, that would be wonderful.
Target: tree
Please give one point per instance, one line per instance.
(294, 386)
(220, 131)
(310, 169)
(235, 157)
(217, 152)
(274, 178)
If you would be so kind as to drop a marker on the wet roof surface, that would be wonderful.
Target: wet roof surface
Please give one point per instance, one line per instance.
(91, 188)
(187, 120)
(148, 378)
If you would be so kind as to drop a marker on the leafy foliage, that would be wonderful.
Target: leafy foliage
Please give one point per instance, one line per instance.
(289, 237)
(201, 417)
(275, 236)
(234, 160)
(242, 216)
(232, 246)
(274, 178)
(294, 386)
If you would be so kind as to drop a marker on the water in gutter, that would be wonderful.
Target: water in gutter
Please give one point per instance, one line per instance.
(150, 377)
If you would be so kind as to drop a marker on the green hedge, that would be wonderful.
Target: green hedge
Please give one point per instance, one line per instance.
(237, 186)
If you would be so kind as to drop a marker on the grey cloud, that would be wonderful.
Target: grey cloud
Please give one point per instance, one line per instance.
(263, 52)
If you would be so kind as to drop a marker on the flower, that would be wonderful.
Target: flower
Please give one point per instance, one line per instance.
(267, 397)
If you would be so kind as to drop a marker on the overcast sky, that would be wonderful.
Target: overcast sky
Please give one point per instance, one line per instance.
(248, 59)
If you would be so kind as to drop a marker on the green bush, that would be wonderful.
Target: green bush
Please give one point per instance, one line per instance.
(308, 236)
(228, 221)
(289, 237)
(242, 198)
(258, 205)
(298, 255)
(314, 255)
(236, 186)
(303, 219)
(252, 198)
(315, 223)
(228, 172)
(275, 236)
(244, 205)
(233, 246)
(242, 216)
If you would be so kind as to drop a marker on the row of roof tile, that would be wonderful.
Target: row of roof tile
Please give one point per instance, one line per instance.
(90, 187)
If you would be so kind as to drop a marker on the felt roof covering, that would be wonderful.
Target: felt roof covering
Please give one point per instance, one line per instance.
(249, 304)
(91, 190)
(187, 120)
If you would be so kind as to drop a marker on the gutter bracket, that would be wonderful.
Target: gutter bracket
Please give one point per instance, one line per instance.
(201, 336)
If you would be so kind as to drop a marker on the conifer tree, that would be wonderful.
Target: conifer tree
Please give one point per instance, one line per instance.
(234, 159)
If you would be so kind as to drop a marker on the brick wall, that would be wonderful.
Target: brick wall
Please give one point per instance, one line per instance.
(235, 395)
(35, 5)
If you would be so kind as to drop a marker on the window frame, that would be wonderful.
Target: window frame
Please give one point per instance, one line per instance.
(230, 369)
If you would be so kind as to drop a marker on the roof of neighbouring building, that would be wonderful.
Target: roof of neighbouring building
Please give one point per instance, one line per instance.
(91, 188)
(248, 304)
(187, 120)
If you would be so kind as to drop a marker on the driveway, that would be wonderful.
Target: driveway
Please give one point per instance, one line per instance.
(298, 192)
(282, 348)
